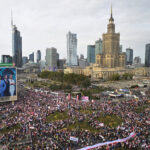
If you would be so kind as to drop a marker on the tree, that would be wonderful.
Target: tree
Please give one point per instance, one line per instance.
(115, 77)
(127, 76)
(86, 83)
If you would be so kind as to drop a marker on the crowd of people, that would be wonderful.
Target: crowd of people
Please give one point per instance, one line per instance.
(32, 131)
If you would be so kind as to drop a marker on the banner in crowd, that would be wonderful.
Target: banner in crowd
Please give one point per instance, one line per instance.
(73, 139)
(132, 135)
(85, 98)
(8, 85)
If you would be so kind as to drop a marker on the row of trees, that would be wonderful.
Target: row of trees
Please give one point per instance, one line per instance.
(64, 87)
(52, 86)
(125, 76)
(73, 79)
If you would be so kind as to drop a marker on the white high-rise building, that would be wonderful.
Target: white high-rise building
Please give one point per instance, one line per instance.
(51, 58)
(71, 49)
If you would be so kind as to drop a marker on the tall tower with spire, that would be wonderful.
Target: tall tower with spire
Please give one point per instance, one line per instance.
(111, 56)
(16, 45)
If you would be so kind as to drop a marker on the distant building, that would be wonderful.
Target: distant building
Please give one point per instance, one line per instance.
(57, 56)
(147, 55)
(30, 67)
(6, 59)
(16, 46)
(71, 49)
(83, 63)
(31, 57)
(38, 56)
(111, 56)
(42, 64)
(51, 58)
(129, 56)
(120, 48)
(91, 53)
(137, 60)
(98, 47)
(81, 56)
(61, 63)
(24, 60)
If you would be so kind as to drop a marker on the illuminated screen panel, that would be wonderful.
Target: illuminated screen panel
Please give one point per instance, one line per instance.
(8, 84)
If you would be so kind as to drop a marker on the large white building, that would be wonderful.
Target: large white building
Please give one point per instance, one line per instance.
(51, 58)
(71, 49)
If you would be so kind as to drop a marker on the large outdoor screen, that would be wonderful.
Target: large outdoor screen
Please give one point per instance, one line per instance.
(8, 86)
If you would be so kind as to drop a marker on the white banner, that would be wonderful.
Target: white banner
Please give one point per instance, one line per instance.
(132, 135)
(101, 124)
(73, 139)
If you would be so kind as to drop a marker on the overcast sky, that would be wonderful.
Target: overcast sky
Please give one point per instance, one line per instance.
(44, 23)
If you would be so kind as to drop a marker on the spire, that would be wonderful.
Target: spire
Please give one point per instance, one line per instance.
(111, 16)
(111, 10)
(11, 18)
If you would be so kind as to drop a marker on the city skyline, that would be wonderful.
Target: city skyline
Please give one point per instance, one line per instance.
(49, 24)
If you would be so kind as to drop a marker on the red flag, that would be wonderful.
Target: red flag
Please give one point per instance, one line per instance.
(77, 97)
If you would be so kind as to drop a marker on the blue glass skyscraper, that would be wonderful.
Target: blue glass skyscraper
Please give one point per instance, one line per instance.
(129, 56)
(16, 46)
(91, 53)
(147, 55)
(38, 56)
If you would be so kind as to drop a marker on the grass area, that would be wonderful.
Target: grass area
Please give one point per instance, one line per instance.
(86, 111)
(57, 116)
(13, 114)
(10, 129)
(141, 109)
(84, 125)
(110, 120)
(97, 90)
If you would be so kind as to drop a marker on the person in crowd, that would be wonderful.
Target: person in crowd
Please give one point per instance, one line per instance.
(34, 106)
(2, 87)
(12, 85)
(6, 80)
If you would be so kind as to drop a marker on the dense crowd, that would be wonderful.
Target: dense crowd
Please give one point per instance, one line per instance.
(33, 107)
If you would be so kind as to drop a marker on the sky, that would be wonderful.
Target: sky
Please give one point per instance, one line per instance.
(45, 23)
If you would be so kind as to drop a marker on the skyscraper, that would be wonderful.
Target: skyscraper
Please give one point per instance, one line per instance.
(71, 49)
(38, 56)
(16, 46)
(147, 55)
(98, 47)
(6, 59)
(31, 57)
(91, 53)
(111, 56)
(137, 60)
(61, 63)
(129, 56)
(121, 48)
(51, 58)
(24, 60)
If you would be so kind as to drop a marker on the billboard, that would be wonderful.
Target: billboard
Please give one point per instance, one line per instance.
(8, 84)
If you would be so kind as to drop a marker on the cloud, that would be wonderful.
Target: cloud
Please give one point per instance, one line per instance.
(44, 23)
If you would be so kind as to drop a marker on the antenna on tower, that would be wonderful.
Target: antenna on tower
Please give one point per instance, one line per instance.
(11, 18)
(111, 9)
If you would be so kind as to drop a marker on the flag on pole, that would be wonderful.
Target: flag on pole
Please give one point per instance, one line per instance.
(77, 97)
